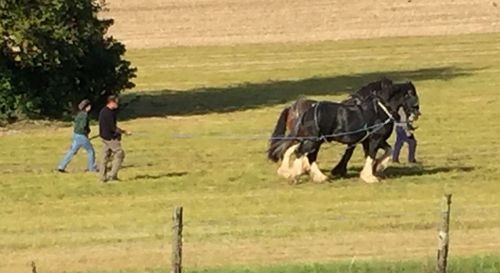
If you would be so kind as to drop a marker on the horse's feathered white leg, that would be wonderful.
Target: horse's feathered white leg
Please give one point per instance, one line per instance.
(316, 174)
(383, 161)
(297, 168)
(306, 166)
(284, 169)
(367, 172)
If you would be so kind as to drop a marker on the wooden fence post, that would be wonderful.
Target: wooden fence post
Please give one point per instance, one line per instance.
(33, 267)
(444, 236)
(177, 241)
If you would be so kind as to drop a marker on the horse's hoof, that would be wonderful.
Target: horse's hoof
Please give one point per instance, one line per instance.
(320, 179)
(293, 181)
(283, 173)
(339, 172)
(380, 169)
(370, 179)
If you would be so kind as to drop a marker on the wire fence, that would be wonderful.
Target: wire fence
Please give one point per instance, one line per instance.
(442, 250)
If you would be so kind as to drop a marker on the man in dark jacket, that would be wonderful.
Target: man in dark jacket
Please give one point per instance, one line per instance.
(111, 137)
(81, 132)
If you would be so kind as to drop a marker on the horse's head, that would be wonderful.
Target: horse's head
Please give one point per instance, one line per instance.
(402, 95)
(411, 104)
(384, 85)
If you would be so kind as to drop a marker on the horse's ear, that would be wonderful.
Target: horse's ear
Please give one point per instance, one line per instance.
(385, 83)
(412, 86)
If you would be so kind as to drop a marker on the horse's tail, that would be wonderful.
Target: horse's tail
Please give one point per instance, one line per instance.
(279, 132)
(278, 148)
(280, 128)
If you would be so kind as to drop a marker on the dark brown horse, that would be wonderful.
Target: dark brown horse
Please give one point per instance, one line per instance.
(292, 114)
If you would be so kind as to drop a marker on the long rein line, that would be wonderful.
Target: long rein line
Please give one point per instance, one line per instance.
(368, 129)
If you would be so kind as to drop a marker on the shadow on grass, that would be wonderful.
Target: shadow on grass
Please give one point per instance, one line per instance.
(255, 95)
(400, 171)
(396, 171)
(159, 176)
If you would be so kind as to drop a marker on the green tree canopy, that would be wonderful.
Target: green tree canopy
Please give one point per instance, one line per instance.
(53, 53)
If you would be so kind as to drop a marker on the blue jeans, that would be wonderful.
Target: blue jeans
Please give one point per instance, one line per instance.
(78, 142)
(401, 138)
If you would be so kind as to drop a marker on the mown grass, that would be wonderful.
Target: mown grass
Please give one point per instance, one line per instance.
(237, 211)
(479, 264)
(486, 264)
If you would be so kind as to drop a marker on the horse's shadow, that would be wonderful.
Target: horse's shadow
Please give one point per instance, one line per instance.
(397, 171)
(403, 171)
(243, 96)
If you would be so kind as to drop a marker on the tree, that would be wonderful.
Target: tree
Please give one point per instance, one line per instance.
(53, 53)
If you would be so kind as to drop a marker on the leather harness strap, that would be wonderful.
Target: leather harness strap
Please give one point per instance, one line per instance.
(316, 116)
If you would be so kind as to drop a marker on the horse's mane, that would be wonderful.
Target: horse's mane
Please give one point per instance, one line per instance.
(367, 90)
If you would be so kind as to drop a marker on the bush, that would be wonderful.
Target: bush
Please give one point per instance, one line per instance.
(54, 53)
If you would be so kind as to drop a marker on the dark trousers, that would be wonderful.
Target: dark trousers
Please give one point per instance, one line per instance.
(401, 138)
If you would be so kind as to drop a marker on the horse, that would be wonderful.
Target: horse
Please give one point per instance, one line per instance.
(290, 115)
(369, 121)
(341, 168)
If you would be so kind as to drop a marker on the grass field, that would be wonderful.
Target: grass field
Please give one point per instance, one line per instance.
(238, 213)
(479, 264)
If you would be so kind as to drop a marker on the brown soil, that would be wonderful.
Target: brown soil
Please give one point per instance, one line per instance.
(162, 23)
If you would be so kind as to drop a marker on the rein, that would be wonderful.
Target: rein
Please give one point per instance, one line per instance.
(368, 129)
(388, 120)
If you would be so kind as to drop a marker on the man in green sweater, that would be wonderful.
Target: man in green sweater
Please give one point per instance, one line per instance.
(80, 138)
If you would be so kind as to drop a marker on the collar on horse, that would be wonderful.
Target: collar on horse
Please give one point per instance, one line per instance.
(372, 129)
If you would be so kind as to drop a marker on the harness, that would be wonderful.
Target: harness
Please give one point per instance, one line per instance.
(356, 99)
(316, 116)
(379, 126)
(368, 129)
(386, 111)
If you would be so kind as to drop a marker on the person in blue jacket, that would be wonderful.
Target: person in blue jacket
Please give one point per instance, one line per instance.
(405, 134)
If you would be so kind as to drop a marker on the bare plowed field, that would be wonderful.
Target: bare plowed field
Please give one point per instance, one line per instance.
(156, 23)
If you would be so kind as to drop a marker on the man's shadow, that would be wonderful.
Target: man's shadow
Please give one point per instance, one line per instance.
(159, 176)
